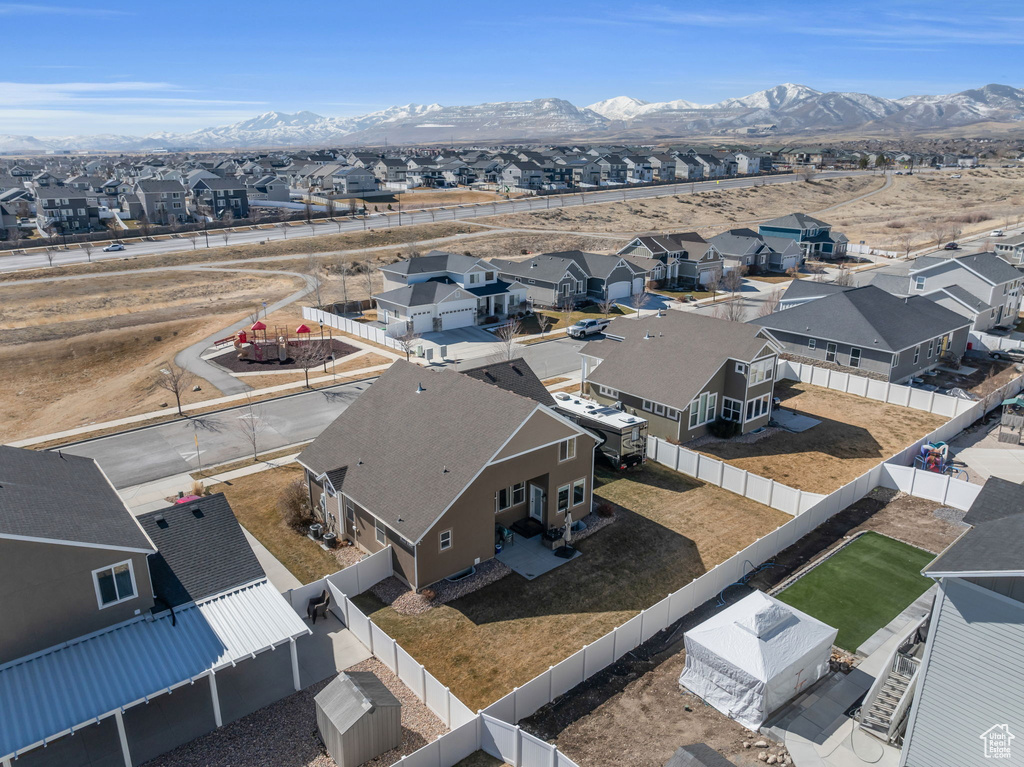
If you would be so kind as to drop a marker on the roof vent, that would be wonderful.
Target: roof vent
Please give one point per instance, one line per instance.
(419, 390)
(444, 470)
(197, 512)
(161, 522)
(648, 336)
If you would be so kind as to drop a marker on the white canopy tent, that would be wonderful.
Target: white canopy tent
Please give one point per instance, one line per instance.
(754, 656)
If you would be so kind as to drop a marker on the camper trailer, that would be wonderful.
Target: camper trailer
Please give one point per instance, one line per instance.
(623, 437)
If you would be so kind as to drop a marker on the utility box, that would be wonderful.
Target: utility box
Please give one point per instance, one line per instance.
(358, 718)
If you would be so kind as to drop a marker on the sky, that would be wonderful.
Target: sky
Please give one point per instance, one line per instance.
(111, 66)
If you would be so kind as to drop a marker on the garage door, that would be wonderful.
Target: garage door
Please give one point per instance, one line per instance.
(619, 289)
(638, 285)
(462, 318)
(706, 276)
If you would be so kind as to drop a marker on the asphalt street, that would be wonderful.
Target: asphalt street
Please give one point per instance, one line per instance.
(10, 263)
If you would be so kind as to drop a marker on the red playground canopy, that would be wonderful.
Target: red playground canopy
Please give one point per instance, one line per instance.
(303, 329)
(257, 325)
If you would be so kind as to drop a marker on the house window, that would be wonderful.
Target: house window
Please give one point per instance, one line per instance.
(474, 278)
(917, 354)
(931, 348)
(855, 358)
(830, 353)
(579, 491)
(659, 409)
(811, 343)
(919, 283)
(608, 391)
(732, 409)
(563, 498)
(567, 449)
(762, 371)
(895, 360)
(702, 409)
(757, 407)
(741, 368)
(489, 276)
(518, 493)
(503, 499)
(445, 540)
(114, 584)
(380, 531)
(647, 406)
(350, 514)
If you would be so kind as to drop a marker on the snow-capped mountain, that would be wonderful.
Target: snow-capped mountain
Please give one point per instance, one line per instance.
(788, 108)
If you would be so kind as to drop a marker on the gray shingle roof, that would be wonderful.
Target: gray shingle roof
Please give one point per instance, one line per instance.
(434, 261)
(545, 268)
(867, 317)
(811, 289)
(515, 376)
(199, 555)
(684, 351)
(961, 294)
(738, 242)
(63, 497)
(796, 221)
(993, 542)
(991, 267)
(660, 244)
(411, 453)
(419, 293)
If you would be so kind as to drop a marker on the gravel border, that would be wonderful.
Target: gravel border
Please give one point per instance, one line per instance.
(285, 732)
(745, 439)
(953, 516)
(405, 601)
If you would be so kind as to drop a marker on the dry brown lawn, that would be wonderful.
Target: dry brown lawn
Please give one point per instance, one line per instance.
(343, 371)
(705, 212)
(670, 529)
(254, 501)
(855, 435)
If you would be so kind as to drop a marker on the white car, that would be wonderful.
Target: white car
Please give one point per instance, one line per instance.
(996, 233)
(956, 175)
(112, 247)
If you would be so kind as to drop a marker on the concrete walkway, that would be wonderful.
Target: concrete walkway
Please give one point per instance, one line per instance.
(986, 456)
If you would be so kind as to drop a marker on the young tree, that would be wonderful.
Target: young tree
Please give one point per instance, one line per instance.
(844, 278)
(192, 237)
(343, 268)
(308, 355)
(771, 303)
(143, 222)
(938, 233)
(733, 279)
(808, 172)
(50, 253)
(314, 272)
(862, 163)
(606, 305)
(507, 333)
(714, 284)
(731, 310)
(87, 247)
(640, 300)
(407, 342)
(251, 424)
(176, 380)
(225, 234)
(308, 209)
(566, 306)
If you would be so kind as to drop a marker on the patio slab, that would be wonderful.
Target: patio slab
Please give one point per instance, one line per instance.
(794, 422)
(531, 558)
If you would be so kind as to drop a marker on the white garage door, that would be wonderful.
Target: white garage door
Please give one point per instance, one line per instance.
(619, 289)
(463, 318)
(638, 285)
(788, 262)
(706, 276)
(422, 323)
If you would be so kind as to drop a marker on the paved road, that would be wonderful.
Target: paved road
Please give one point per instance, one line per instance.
(386, 221)
(145, 455)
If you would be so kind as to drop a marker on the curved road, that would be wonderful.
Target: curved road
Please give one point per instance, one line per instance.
(386, 221)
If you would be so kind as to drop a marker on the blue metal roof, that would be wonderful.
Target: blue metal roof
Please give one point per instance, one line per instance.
(63, 689)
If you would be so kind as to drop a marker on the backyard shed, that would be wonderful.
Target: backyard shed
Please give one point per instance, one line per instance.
(358, 718)
(754, 656)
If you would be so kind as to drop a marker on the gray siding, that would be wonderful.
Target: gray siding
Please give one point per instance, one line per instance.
(972, 678)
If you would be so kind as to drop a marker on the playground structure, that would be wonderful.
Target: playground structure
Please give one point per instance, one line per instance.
(1011, 423)
(935, 457)
(258, 344)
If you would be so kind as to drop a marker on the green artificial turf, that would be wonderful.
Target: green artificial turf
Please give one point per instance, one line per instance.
(861, 588)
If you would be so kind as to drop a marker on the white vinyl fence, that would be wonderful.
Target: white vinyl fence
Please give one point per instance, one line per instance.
(931, 486)
(986, 342)
(721, 474)
(358, 329)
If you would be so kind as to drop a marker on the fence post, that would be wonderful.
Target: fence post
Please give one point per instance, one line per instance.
(746, 475)
(799, 497)
(913, 477)
(394, 647)
(448, 707)
(771, 491)
(642, 625)
(554, 756)
(359, 589)
(551, 679)
(931, 402)
(615, 643)
(888, 387)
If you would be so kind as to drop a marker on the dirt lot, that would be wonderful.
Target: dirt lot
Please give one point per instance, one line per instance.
(669, 530)
(343, 370)
(988, 376)
(855, 435)
(706, 212)
(633, 714)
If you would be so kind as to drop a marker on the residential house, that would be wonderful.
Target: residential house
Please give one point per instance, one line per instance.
(815, 237)
(690, 260)
(389, 170)
(220, 198)
(613, 169)
(523, 174)
(444, 291)
(605, 276)
(124, 637)
(688, 168)
(746, 249)
(66, 209)
(748, 164)
(352, 180)
(968, 646)
(980, 286)
(268, 188)
(472, 455)
(663, 166)
(161, 201)
(1011, 250)
(871, 332)
(682, 371)
(549, 281)
(638, 169)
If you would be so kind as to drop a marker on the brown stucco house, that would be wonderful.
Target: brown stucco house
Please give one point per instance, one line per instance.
(682, 371)
(429, 462)
(131, 634)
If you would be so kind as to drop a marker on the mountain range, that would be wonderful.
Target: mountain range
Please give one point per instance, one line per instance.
(786, 109)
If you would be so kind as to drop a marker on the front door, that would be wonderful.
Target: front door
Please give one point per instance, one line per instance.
(537, 503)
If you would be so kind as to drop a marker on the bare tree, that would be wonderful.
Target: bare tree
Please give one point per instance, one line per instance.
(308, 355)
(87, 247)
(714, 284)
(308, 208)
(368, 276)
(251, 424)
(143, 222)
(771, 303)
(407, 342)
(254, 315)
(192, 237)
(50, 253)
(807, 173)
(314, 272)
(566, 306)
(733, 279)
(938, 232)
(176, 380)
(508, 350)
(844, 278)
(606, 305)
(731, 310)
(640, 300)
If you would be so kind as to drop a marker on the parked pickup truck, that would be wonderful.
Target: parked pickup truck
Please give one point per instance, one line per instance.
(587, 328)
